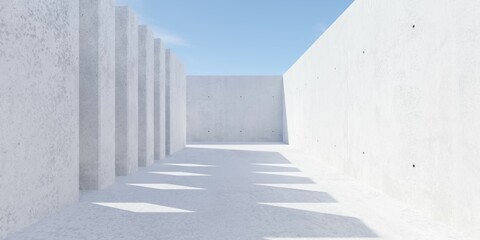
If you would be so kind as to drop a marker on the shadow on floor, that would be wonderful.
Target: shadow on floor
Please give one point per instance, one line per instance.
(244, 195)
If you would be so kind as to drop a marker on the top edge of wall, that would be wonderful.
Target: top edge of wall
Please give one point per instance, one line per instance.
(322, 36)
(239, 76)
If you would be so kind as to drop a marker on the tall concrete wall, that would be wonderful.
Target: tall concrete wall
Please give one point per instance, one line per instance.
(97, 93)
(126, 92)
(390, 95)
(159, 105)
(38, 110)
(145, 96)
(176, 122)
(234, 109)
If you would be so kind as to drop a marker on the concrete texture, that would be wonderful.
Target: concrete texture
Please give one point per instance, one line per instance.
(126, 92)
(38, 110)
(389, 95)
(159, 92)
(97, 93)
(243, 193)
(145, 96)
(176, 122)
(235, 109)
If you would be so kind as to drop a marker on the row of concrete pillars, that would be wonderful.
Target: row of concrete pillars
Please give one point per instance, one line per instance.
(132, 95)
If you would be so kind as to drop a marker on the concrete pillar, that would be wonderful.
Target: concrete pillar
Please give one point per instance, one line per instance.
(97, 93)
(169, 73)
(159, 118)
(39, 108)
(182, 106)
(176, 104)
(126, 92)
(145, 96)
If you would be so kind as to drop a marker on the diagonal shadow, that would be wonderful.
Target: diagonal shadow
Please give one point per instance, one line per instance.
(229, 206)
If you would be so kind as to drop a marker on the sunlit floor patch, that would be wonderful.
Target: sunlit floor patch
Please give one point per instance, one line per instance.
(288, 174)
(164, 186)
(274, 164)
(187, 165)
(305, 187)
(336, 238)
(139, 207)
(183, 174)
(327, 208)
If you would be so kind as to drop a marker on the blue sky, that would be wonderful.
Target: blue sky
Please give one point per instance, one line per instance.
(238, 37)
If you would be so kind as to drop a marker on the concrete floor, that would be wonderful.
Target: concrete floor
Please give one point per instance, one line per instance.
(261, 192)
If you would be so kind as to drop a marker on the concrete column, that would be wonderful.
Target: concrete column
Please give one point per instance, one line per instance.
(97, 93)
(159, 118)
(182, 105)
(126, 92)
(176, 104)
(145, 96)
(169, 73)
(39, 108)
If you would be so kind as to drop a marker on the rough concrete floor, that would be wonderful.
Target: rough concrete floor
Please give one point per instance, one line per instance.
(262, 192)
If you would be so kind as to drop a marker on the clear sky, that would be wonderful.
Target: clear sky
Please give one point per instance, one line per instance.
(238, 37)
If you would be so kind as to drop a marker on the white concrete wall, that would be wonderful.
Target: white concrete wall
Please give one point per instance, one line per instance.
(38, 110)
(176, 122)
(126, 92)
(390, 94)
(234, 109)
(145, 96)
(97, 93)
(159, 111)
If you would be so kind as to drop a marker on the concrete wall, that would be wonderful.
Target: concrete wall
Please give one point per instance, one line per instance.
(159, 105)
(97, 93)
(176, 122)
(390, 95)
(145, 96)
(38, 110)
(235, 109)
(126, 92)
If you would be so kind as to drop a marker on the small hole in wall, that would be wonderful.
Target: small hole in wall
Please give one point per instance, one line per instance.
(413, 165)
(363, 52)
(413, 26)
(363, 153)
(241, 96)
